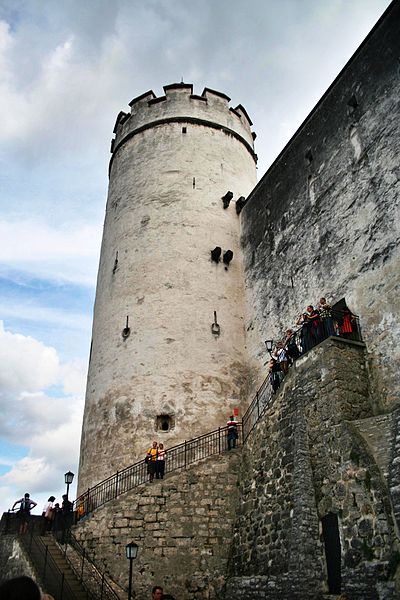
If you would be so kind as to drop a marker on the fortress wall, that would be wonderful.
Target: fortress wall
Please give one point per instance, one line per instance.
(182, 525)
(303, 462)
(324, 220)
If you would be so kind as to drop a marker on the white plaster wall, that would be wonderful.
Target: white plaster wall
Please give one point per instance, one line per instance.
(163, 229)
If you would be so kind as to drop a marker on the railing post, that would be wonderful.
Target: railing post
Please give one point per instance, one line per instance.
(258, 406)
(62, 585)
(185, 453)
(31, 540)
(83, 560)
(219, 440)
(87, 502)
(102, 586)
(45, 561)
(116, 484)
(242, 428)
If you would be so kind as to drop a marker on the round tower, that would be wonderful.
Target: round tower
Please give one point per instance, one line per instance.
(168, 345)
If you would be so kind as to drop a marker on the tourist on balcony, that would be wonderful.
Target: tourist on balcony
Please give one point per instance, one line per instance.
(325, 312)
(275, 374)
(348, 324)
(160, 462)
(314, 319)
(151, 459)
(306, 340)
(290, 345)
(282, 357)
(232, 434)
(24, 512)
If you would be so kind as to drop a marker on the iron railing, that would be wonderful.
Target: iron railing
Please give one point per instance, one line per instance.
(50, 574)
(177, 457)
(89, 576)
(94, 583)
(339, 324)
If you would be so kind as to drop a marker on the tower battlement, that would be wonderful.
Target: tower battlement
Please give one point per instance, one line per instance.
(179, 104)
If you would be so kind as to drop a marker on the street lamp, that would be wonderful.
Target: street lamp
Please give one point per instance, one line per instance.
(131, 553)
(269, 345)
(69, 477)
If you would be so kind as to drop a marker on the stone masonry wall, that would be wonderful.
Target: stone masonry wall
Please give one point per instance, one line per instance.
(394, 467)
(183, 526)
(303, 462)
(324, 220)
(13, 559)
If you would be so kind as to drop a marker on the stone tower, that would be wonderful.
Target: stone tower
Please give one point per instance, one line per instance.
(168, 347)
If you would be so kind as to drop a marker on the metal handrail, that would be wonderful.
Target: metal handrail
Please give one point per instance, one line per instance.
(50, 574)
(93, 580)
(177, 457)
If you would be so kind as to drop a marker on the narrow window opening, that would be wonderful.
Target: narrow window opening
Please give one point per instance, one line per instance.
(352, 104)
(309, 157)
(164, 423)
(330, 534)
(184, 130)
(194, 182)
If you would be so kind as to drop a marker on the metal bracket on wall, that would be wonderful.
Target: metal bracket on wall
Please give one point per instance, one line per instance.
(127, 330)
(215, 328)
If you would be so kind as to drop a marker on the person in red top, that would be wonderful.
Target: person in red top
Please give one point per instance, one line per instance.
(232, 432)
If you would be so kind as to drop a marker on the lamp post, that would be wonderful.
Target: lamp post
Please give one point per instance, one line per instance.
(269, 344)
(131, 553)
(69, 477)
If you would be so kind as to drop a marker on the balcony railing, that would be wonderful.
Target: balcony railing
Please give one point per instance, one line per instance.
(177, 457)
(340, 324)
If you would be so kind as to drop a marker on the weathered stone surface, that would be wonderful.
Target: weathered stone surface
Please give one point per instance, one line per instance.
(13, 559)
(329, 226)
(278, 533)
(183, 529)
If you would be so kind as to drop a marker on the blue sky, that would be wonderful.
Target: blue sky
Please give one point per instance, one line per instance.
(66, 70)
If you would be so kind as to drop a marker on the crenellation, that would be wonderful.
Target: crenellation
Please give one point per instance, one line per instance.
(142, 99)
(179, 104)
(118, 120)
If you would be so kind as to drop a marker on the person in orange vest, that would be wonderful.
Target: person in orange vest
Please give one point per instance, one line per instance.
(151, 458)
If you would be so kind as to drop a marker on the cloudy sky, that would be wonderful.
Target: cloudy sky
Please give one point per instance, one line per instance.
(66, 70)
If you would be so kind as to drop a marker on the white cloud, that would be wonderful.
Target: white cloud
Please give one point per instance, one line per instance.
(34, 312)
(48, 426)
(25, 363)
(69, 254)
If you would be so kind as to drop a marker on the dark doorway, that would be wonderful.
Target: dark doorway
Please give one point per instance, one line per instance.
(330, 533)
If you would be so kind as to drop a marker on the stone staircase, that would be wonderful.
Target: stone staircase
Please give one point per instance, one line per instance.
(52, 568)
